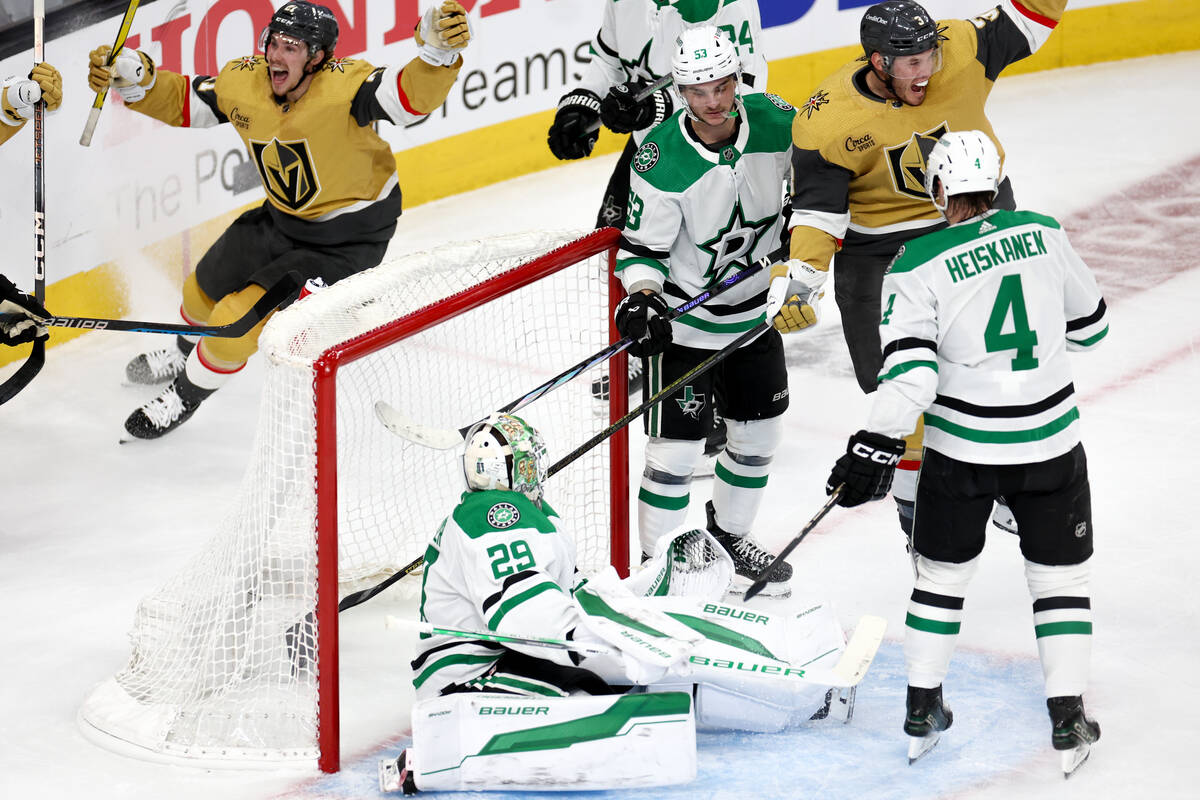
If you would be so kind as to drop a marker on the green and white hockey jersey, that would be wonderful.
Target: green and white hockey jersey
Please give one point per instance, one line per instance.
(636, 39)
(697, 216)
(499, 564)
(977, 319)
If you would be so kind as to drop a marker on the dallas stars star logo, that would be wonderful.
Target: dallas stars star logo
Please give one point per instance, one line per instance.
(736, 240)
(691, 403)
(639, 69)
(813, 103)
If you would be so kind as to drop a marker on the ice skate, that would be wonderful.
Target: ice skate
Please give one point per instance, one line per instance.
(166, 412)
(749, 560)
(394, 775)
(159, 366)
(927, 717)
(1073, 732)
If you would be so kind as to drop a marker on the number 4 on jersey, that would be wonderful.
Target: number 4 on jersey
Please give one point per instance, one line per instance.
(1022, 338)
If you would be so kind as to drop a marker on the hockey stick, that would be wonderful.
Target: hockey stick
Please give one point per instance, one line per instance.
(443, 439)
(39, 163)
(761, 580)
(284, 290)
(695, 372)
(849, 671)
(85, 138)
(649, 89)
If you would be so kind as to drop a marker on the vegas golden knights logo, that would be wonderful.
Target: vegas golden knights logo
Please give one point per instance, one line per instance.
(287, 172)
(907, 161)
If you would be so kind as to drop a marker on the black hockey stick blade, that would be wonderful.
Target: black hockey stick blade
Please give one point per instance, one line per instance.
(404, 426)
(284, 290)
(701, 368)
(761, 580)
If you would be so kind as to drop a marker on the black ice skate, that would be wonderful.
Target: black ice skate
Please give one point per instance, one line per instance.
(749, 560)
(927, 717)
(600, 385)
(159, 366)
(1074, 733)
(395, 776)
(166, 412)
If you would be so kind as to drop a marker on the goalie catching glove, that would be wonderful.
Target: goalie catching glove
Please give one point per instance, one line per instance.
(793, 295)
(442, 33)
(131, 73)
(622, 112)
(20, 95)
(866, 469)
(641, 317)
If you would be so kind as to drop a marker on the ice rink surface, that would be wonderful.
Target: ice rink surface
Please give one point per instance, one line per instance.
(90, 527)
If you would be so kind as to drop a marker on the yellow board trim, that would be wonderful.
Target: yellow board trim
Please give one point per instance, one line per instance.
(518, 147)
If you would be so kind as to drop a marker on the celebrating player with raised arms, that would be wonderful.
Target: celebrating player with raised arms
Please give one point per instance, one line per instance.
(860, 144)
(333, 195)
(705, 201)
(18, 96)
(977, 322)
(517, 646)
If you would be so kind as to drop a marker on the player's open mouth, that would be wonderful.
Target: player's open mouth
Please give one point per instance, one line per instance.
(279, 76)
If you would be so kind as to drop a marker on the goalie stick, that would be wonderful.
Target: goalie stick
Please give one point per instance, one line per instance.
(39, 163)
(89, 129)
(404, 426)
(285, 289)
(849, 671)
(649, 89)
(761, 580)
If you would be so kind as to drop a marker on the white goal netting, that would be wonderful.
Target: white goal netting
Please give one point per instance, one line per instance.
(225, 669)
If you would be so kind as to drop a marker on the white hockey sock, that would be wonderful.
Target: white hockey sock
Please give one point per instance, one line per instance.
(934, 618)
(204, 374)
(1062, 622)
(741, 472)
(666, 487)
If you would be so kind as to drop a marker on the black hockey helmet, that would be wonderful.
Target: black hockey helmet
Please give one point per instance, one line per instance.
(897, 28)
(312, 24)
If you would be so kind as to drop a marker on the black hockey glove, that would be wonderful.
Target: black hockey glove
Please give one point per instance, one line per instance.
(570, 137)
(622, 112)
(866, 469)
(639, 316)
(17, 315)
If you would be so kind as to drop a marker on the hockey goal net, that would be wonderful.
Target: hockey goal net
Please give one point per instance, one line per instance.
(235, 661)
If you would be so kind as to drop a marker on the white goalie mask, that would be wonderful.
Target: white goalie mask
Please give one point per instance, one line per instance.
(505, 452)
(963, 162)
(703, 54)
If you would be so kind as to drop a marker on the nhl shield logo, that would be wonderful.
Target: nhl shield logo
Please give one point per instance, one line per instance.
(646, 157)
(287, 172)
(503, 515)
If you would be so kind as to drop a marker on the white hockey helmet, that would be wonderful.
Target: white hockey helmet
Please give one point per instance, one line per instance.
(702, 54)
(963, 162)
(505, 452)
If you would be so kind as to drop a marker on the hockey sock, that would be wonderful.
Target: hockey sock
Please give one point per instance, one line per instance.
(1062, 622)
(934, 619)
(741, 472)
(666, 487)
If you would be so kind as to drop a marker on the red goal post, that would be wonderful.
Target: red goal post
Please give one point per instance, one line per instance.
(235, 660)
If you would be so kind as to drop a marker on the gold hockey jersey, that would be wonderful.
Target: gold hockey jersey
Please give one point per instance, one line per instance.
(857, 160)
(319, 159)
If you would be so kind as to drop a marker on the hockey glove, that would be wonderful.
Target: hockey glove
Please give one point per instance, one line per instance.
(866, 469)
(132, 73)
(573, 134)
(622, 112)
(639, 316)
(793, 295)
(19, 315)
(442, 33)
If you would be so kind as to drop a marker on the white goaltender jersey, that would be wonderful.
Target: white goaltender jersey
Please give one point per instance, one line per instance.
(497, 564)
(637, 37)
(977, 319)
(697, 216)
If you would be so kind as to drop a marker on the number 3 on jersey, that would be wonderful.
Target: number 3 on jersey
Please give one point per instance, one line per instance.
(1022, 338)
(510, 558)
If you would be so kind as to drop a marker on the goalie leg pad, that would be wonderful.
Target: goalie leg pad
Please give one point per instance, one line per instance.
(760, 707)
(470, 742)
(1062, 621)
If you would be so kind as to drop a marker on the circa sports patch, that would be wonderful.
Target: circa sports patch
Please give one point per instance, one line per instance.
(646, 157)
(780, 103)
(503, 515)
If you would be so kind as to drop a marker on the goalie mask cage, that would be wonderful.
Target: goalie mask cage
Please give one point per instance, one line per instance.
(235, 660)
